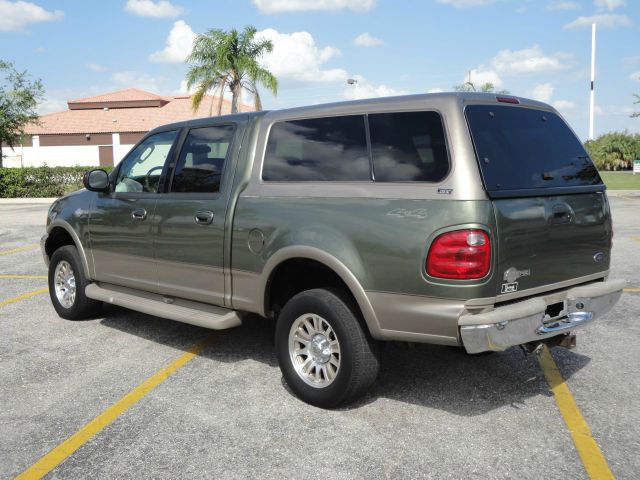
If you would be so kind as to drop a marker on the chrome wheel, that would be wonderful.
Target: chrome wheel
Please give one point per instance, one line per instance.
(65, 284)
(314, 350)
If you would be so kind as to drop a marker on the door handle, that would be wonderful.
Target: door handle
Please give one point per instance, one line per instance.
(203, 217)
(139, 214)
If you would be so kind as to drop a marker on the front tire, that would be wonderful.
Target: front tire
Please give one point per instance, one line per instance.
(326, 356)
(67, 282)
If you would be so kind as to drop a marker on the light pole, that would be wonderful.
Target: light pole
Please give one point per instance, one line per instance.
(593, 77)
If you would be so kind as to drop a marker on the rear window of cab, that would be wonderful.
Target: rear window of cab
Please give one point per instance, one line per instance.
(381, 147)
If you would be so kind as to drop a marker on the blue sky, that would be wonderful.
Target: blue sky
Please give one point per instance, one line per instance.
(533, 48)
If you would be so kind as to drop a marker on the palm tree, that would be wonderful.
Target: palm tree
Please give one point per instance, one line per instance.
(229, 59)
(486, 87)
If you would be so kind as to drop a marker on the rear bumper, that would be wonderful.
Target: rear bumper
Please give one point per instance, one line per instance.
(526, 321)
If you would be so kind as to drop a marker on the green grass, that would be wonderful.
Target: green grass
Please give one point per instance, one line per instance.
(621, 180)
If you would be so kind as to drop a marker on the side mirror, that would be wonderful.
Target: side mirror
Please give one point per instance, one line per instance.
(96, 180)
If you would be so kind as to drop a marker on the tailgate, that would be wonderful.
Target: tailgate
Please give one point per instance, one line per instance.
(552, 216)
(545, 240)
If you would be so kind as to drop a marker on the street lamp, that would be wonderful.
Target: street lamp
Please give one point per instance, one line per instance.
(353, 81)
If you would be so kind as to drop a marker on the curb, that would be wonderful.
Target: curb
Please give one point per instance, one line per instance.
(27, 201)
(623, 193)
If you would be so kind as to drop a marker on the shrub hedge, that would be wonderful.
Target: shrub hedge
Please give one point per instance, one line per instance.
(41, 181)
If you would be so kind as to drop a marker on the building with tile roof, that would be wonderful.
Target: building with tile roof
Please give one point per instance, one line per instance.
(101, 129)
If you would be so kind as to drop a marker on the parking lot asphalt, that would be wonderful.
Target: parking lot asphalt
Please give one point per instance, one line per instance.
(434, 412)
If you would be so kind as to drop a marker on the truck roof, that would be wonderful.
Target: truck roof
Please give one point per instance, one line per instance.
(462, 98)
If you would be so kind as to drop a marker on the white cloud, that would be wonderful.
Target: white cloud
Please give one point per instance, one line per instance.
(635, 76)
(563, 5)
(603, 20)
(143, 81)
(366, 40)
(52, 104)
(296, 56)
(479, 76)
(274, 6)
(467, 3)
(178, 44)
(563, 105)
(527, 60)
(15, 16)
(149, 8)
(435, 90)
(96, 67)
(515, 62)
(613, 110)
(369, 90)
(542, 92)
(609, 4)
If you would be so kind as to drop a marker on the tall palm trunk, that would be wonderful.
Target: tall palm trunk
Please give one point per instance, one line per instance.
(237, 95)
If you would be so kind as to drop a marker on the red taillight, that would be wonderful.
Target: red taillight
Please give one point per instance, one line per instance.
(508, 100)
(463, 254)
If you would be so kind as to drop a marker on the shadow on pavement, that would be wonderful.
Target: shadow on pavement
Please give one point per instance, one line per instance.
(433, 376)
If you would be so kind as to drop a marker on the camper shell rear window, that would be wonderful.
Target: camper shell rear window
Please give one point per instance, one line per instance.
(527, 152)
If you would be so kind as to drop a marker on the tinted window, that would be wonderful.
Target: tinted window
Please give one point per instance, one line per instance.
(317, 149)
(520, 149)
(408, 147)
(142, 167)
(199, 167)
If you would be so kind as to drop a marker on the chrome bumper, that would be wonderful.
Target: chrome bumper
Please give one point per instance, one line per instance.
(527, 321)
(43, 241)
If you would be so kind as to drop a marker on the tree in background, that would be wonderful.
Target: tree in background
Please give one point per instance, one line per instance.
(222, 60)
(636, 114)
(19, 97)
(615, 150)
(486, 87)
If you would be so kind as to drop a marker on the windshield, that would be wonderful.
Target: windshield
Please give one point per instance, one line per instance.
(522, 150)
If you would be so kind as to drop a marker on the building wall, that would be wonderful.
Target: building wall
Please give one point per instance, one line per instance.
(41, 150)
(85, 155)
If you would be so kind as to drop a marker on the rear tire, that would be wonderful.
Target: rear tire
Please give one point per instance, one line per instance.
(67, 282)
(326, 356)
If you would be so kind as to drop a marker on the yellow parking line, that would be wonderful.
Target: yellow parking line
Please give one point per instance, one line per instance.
(60, 453)
(20, 249)
(632, 289)
(22, 297)
(637, 239)
(594, 462)
(23, 276)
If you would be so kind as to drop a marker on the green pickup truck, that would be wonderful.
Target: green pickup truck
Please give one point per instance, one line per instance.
(461, 219)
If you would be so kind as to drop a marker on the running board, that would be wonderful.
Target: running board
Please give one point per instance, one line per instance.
(186, 311)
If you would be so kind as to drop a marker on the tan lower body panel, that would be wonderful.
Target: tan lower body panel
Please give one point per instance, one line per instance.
(414, 318)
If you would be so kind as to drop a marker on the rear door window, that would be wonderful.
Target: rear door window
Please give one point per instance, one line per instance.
(527, 151)
(408, 147)
(202, 158)
(318, 149)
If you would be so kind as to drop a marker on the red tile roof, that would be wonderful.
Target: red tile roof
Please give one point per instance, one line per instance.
(123, 119)
(128, 95)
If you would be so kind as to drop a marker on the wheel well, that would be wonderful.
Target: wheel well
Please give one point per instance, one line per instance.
(297, 275)
(58, 237)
